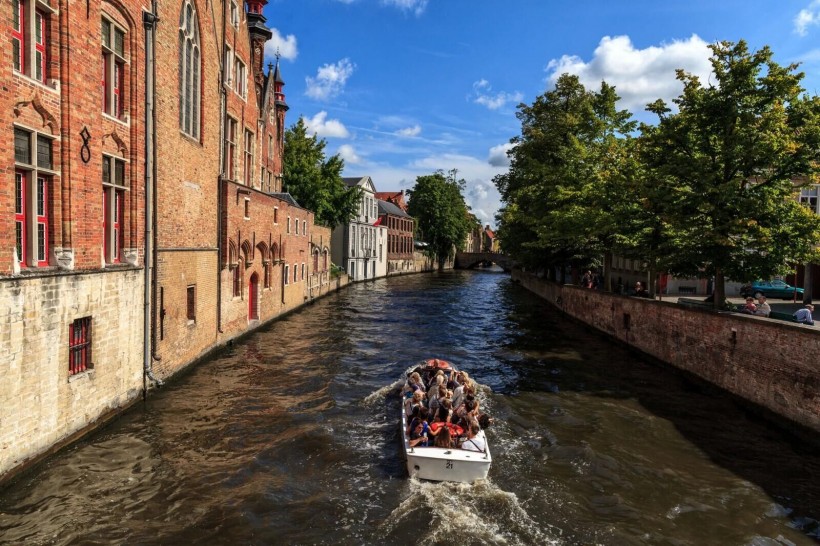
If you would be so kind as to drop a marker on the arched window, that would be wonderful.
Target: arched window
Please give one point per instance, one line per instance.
(189, 73)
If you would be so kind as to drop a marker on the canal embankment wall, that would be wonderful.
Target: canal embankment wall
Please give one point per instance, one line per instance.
(41, 417)
(773, 364)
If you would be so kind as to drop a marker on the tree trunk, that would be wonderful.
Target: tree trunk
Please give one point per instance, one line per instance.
(719, 290)
(608, 271)
(651, 277)
(807, 282)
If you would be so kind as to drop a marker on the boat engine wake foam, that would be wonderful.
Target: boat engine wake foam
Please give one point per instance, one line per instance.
(381, 394)
(463, 513)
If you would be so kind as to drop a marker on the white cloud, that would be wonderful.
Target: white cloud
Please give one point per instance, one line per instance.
(323, 127)
(348, 153)
(498, 155)
(416, 6)
(285, 46)
(415, 130)
(808, 16)
(640, 76)
(482, 94)
(330, 80)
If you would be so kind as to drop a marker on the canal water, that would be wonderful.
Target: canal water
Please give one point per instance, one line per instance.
(291, 437)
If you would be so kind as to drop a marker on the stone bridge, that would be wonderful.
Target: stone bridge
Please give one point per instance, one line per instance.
(469, 260)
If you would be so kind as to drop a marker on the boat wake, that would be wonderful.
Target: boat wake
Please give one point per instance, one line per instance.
(463, 513)
(381, 394)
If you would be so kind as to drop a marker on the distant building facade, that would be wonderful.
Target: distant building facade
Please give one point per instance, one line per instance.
(400, 229)
(355, 245)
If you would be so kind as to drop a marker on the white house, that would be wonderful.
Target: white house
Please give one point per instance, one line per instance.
(359, 246)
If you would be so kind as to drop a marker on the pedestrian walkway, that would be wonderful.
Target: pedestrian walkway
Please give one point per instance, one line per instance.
(778, 306)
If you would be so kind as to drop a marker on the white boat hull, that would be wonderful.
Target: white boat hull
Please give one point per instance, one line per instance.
(439, 464)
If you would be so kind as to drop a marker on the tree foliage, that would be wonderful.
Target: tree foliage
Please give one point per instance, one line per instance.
(442, 217)
(315, 182)
(562, 184)
(728, 160)
(709, 190)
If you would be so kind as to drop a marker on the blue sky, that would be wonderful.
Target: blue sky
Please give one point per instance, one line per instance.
(400, 88)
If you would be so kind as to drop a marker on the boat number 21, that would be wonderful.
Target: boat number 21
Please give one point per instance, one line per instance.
(449, 465)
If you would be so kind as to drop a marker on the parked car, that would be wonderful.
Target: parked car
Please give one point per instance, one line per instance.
(771, 289)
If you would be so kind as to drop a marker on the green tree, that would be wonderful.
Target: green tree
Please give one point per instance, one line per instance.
(562, 186)
(315, 182)
(727, 161)
(442, 217)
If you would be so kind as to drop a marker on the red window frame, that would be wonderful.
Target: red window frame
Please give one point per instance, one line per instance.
(41, 211)
(116, 225)
(40, 47)
(79, 346)
(119, 197)
(116, 90)
(20, 182)
(18, 36)
(104, 82)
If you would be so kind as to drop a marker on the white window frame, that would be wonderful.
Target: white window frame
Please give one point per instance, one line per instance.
(240, 84)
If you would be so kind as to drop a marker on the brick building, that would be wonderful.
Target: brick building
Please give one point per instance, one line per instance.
(232, 251)
(141, 138)
(72, 221)
(400, 229)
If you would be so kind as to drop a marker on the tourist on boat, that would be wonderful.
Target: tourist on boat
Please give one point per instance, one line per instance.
(447, 405)
(415, 383)
(419, 436)
(423, 414)
(435, 403)
(410, 403)
(474, 441)
(458, 396)
(443, 437)
(436, 382)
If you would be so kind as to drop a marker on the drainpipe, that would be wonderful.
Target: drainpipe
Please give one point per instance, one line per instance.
(220, 181)
(149, 20)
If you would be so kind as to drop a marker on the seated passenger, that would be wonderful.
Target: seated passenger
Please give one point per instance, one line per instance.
(474, 442)
(414, 382)
(416, 401)
(418, 438)
(443, 438)
(421, 415)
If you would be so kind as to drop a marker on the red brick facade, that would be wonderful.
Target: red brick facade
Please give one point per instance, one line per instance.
(227, 251)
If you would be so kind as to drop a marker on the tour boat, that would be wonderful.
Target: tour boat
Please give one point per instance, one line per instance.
(440, 464)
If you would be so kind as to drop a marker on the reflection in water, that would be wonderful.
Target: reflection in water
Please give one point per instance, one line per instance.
(291, 437)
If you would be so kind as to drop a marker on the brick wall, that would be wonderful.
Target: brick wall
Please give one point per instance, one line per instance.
(771, 363)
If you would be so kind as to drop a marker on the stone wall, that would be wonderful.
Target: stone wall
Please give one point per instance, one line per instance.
(771, 363)
(42, 404)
